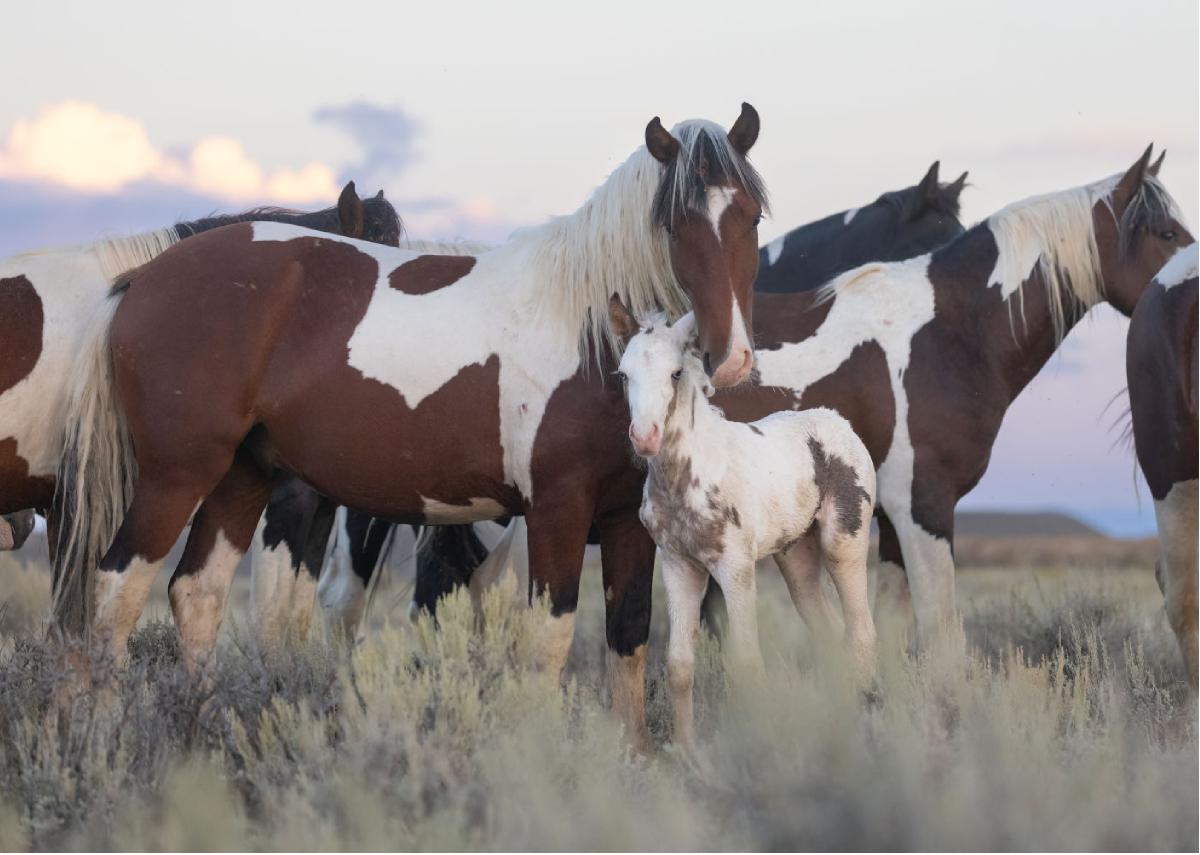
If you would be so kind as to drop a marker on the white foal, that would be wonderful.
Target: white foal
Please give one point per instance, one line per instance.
(798, 486)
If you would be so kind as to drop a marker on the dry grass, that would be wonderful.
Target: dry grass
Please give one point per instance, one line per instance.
(1068, 728)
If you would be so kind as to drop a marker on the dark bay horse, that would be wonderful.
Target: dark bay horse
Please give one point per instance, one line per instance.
(418, 388)
(898, 225)
(1161, 370)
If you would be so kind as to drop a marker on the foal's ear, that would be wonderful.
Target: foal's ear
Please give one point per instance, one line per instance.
(620, 319)
(744, 132)
(660, 142)
(685, 328)
(350, 212)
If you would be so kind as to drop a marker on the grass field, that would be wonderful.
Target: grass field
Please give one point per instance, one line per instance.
(1069, 727)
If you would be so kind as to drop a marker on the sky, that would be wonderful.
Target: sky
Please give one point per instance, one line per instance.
(477, 119)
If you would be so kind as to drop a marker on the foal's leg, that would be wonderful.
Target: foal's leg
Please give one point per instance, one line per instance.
(801, 567)
(627, 556)
(738, 580)
(1177, 570)
(558, 524)
(221, 533)
(845, 556)
(684, 584)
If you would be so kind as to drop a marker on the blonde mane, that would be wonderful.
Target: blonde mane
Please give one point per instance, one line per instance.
(613, 245)
(120, 255)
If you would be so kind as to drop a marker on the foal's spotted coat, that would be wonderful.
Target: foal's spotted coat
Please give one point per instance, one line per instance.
(719, 495)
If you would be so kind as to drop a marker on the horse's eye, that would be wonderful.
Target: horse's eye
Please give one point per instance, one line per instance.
(676, 374)
(757, 220)
(1167, 235)
(622, 377)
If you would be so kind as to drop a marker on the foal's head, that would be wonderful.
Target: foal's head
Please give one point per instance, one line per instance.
(660, 362)
(1143, 230)
(710, 201)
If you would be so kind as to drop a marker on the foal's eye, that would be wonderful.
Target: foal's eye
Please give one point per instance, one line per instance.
(622, 377)
(676, 374)
(1168, 235)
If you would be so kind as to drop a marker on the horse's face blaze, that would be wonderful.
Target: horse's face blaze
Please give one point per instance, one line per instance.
(714, 255)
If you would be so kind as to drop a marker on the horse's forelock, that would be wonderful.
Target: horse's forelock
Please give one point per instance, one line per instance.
(705, 159)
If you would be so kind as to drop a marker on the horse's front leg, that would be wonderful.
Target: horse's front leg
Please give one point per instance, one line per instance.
(925, 541)
(558, 523)
(627, 555)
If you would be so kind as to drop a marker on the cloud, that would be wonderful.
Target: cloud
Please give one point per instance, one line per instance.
(79, 146)
(386, 135)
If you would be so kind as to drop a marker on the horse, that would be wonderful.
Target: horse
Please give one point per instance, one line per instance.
(925, 356)
(798, 486)
(899, 224)
(1161, 371)
(47, 298)
(418, 388)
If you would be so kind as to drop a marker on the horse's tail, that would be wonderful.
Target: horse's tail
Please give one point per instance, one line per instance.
(95, 474)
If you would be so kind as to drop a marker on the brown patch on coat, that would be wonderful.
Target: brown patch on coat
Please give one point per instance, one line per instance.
(428, 273)
(18, 489)
(21, 320)
(837, 482)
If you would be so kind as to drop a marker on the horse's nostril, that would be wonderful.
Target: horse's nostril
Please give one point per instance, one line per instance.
(708, 368)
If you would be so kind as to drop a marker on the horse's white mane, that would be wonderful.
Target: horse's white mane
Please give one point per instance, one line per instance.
(119, 255)
(611, 245)
(1056, 235)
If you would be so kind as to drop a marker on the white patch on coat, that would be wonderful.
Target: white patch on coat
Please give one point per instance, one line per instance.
(719, 198)
(775, 249)
(850, 216)
(1178, 567)
(198, 600)
(1182, 267)
(72, 284)
(441, 513)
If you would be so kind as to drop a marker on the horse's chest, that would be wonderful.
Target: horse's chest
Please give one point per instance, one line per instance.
(690, 519)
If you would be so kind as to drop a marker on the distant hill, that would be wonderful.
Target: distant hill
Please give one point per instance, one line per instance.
(1020, 524)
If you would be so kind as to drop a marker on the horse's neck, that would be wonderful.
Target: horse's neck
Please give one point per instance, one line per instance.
(1013, 336)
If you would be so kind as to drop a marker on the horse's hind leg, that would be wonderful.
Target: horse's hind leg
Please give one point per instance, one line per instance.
(221, 533)
(160, 509)
(800, 565)
(1177, 574)
(844, 554)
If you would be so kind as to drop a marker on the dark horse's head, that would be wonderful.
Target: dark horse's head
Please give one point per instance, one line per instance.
(373, 219)
(710, 201)
(899, 224)
(1138, 228)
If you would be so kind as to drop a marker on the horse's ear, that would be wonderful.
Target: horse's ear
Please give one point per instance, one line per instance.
(350, 212)
(744, 132)
(685, 328)
(1132, 180)
(379, 195)
(952, 190)
(660, 142)
(927, 188)
(620, 319)
(1157, 165)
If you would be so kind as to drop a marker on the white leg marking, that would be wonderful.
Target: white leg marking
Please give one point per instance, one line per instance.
(198, 601)
(342, 594)
(120, 598)
(1177, 536)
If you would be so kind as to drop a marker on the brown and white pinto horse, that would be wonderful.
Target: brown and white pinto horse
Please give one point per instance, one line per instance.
(414, 387)
(1162, 373)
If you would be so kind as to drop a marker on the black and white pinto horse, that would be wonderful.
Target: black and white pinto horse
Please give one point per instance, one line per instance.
(1161, 368)
(897, 225)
